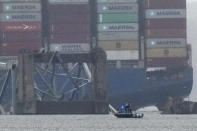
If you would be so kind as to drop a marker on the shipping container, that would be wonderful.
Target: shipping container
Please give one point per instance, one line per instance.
(166, 33)
(20, 17)
(117, 8)
(166, 24)
(165, 13)
(117, 1)
(119, 45)
(21, 37)
(68, 48)
(68, 1)
(118, 18)
(70, 28)
(69, 9)
(20, 27)
(12, 49)
(166, 43)
(118, 36)
(166, 52)
(20, 7)
(123, 55)
(70, 38)
(20, 0)
(114, 27)
(167, 62)
(69, 18)
(165, 4)
(122, 64)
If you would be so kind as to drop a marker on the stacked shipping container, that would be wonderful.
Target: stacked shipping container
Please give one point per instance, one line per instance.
(69, 28)
(165, 33)
(69, 24)
(118, 29)
(20, 26)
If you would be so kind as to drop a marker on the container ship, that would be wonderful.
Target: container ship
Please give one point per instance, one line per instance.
(148, 58)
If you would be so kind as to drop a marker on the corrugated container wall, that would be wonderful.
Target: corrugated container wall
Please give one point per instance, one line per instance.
(69, 26)
(165, 33)
(20, 25)
(118, 30)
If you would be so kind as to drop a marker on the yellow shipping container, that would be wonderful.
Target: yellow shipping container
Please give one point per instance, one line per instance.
(119, 45)
(166, 52)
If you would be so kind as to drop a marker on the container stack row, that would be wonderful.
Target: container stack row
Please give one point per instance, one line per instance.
(118, 29)
(20, 26)
(69, 26)
(165, 33)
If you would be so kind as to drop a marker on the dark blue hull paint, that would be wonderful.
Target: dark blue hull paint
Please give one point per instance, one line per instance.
(131, 85)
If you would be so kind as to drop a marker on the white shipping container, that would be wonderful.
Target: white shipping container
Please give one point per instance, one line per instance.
(117, 8)
(125, 27)
(69, 48)
(116, 1)
(165, 13)
(166, 43)
(123, 55)
(118, 36)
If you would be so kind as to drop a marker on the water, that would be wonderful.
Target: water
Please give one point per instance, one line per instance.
(153, 121)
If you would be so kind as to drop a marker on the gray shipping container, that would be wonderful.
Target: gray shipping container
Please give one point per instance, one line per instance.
(117, 8)
(127, 27)
(165, 13)
(67, 1)
(166, 43)
(68, 48)
(20, 17)
(118, 36)
(21, 7)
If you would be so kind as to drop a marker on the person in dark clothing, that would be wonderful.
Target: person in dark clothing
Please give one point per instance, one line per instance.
(128, 108)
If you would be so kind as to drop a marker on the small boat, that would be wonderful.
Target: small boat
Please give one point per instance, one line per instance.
(126, 112)
(129, 115)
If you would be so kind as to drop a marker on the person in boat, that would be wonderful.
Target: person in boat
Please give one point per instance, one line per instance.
(128, 108)
(122, 109)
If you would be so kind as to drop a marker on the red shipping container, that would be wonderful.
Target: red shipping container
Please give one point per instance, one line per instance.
(69, 9)
(167, 62)
(69, 18)
(70, 38)
(166, 24)
(12, 49)
(67, 28)
(21, 37)
(165, 4)
(20, 27)
(166, 33)
(20, 0)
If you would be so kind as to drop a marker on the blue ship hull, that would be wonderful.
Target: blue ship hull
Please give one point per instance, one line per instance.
(135, 87)
(138, 87)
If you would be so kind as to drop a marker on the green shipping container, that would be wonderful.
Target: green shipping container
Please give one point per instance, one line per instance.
(118, 18)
